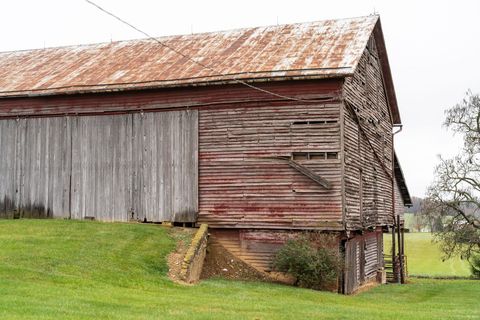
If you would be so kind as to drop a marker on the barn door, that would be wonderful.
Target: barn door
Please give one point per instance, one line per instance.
(166, 166)
(101, 175)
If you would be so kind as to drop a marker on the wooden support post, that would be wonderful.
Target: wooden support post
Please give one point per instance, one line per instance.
(404, 267)
(393, 242)
(394, 265)
(400, 256)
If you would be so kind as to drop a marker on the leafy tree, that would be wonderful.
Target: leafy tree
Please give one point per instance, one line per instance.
(454, 196)
(475, 266)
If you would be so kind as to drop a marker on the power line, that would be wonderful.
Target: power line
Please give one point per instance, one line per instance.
(198, 62)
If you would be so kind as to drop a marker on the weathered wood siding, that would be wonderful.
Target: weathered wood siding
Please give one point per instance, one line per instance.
(44, 166)
(34, 167)
(368, 151)
(269, 191)
(114, 168)
(166, 99)
(352, 266)
(8, 163)
(371, 255)
(256, 247)
(243, 185)
(363, 257)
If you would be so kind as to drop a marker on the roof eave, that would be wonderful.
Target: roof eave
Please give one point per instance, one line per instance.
(407, 200)
(178, 83)
(387, 74)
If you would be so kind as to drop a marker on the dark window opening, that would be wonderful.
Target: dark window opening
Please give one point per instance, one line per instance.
(312, 122)
(314, 155)
(300, 156)
(317, 155)
(332, 155)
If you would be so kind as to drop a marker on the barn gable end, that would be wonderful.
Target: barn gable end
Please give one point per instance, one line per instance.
(368, 145)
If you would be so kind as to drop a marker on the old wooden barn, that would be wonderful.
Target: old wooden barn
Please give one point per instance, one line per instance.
(287, 128)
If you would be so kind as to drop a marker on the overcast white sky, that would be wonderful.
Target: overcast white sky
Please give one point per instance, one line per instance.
(433, 48)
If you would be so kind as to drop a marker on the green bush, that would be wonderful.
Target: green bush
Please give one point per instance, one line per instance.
(312, 258)
(475, 266)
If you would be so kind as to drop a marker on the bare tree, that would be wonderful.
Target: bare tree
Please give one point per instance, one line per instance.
(419, 222)
(454, 195)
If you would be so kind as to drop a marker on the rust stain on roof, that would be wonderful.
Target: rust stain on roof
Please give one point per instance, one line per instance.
(306, 50)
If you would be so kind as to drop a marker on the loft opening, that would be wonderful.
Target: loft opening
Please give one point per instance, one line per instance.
(313, 122)
(314, 155)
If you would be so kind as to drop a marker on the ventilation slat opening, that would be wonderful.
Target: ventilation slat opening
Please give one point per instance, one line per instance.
(314, 155)
(313, 122)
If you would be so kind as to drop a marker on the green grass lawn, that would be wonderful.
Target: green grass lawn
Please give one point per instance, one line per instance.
(53, 269)
(425, 258)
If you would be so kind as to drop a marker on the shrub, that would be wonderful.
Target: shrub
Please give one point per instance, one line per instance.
(475, 266)
(312, 258)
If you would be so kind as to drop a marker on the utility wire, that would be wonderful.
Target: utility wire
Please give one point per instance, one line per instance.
(198, 62)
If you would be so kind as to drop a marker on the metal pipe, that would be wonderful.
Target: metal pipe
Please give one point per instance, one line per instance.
(400, 127)
(400, 277)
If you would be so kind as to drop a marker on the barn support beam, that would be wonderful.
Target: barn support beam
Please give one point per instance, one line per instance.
(309, 174)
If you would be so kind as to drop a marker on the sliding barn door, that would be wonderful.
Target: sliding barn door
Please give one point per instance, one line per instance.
(102, 167)
(166, 166)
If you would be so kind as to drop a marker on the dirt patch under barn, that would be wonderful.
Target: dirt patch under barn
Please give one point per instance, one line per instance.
(220, 263)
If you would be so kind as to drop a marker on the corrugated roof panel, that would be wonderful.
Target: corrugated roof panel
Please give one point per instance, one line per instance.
(314, 49)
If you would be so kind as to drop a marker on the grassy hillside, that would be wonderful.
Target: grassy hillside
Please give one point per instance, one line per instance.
(425, 257)
(90, 270)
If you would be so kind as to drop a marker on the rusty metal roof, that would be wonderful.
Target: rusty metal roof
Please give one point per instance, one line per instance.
(321, 49)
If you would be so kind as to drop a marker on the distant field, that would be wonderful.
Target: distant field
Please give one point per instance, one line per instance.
(425, 257)
(54, 269)
(409, 220)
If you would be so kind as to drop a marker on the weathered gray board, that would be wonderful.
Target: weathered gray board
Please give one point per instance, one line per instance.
(8, 138)
(114, 167)
(352, 266)
(372, 257)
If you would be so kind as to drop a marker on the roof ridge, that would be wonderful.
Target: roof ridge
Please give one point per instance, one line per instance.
(116, 42)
